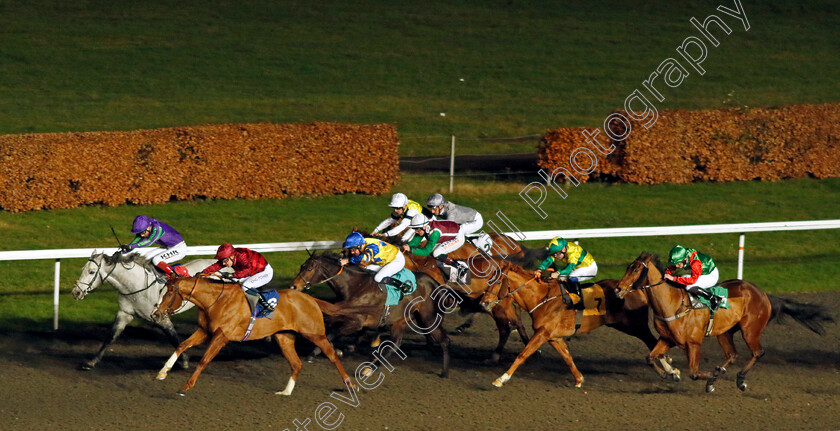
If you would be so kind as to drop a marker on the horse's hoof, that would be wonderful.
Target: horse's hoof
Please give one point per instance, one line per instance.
(182, 393)
(676, 376)
(310, 359)
(339, 353)
(710, 388)
(444, 375)
(86, 367)
(721, 370)
(498, 383)
(283, 393)
(367, 371)
(161, 376)
(742, 386)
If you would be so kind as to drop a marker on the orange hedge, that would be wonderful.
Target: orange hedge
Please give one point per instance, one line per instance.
(715, 145)
(248, 161)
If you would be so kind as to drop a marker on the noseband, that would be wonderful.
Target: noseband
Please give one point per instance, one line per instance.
(89, 288)
(308, 284)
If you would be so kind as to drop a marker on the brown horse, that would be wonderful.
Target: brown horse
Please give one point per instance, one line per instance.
(681, 325)
(485, 272)
(224, 315)
(357, 289)
(553, 321)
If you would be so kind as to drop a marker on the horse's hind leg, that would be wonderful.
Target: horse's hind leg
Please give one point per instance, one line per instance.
(169, 330)
(286, 341)
(751, 336)
(322, 342)
(216, 343)
(197, 337)
(122, 318)
(536, 341)
(729, 354)
(466, 325)
(563, 349)
(503, 325)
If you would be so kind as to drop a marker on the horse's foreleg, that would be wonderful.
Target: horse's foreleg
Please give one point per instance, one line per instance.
(692, 350)
(563, 349)
(503, 325)
(657, 356)
(216, 343)
(197, 337)
(169, 330)
(286, 341)
(120, 321)
(536, 342)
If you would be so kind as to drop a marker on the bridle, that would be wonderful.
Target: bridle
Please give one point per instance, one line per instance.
(509, 294)
(89, 287)
(177, 294)
(308, 284)
(684, 300)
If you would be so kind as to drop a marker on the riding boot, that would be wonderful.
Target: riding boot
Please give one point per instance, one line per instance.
(574, 285)
(403, 287)
(167, 270)
(714, 300)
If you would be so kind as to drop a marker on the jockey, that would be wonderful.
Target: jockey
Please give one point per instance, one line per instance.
(404, 210)
(571, 261)
(704, 273)
(384, 259)
(251, 271)
(442, 237)
(469, 219)
(150, 231)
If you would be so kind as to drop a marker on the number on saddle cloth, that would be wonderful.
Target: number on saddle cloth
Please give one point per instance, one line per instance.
(482, 242)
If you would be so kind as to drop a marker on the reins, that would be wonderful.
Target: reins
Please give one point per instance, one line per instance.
(684, 295)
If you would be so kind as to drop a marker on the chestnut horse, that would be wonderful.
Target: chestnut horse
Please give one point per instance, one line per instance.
(356, 288)
(224, 315)
(680, 325)
(484, 272)
(553, 321)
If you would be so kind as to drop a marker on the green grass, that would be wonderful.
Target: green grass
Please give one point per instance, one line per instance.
(776, 261)
(526, 66)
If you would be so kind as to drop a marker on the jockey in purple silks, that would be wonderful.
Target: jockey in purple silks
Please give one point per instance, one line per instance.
(151, 231)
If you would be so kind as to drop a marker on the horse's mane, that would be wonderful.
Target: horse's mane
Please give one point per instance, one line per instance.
(333, 257)
(125, 258)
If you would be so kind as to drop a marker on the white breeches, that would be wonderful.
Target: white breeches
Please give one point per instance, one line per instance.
(586, 273)
(389, 269)
(451, 245)
(259, 279)
(159, 254)
(706, 281)
(473, 226)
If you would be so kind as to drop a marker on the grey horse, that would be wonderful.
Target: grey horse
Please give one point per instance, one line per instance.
(140, 289)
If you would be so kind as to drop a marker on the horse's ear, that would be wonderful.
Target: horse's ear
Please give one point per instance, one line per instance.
(94, 253)
(355, 228)
(309, 252)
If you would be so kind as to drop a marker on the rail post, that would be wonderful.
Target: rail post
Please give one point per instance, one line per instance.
(741, 257)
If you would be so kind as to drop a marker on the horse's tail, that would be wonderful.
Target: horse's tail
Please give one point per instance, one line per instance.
(810, 316)
(334, 310)
(528, 258)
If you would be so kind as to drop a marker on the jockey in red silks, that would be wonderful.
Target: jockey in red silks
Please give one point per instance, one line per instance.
(150, 231)
(251, 270)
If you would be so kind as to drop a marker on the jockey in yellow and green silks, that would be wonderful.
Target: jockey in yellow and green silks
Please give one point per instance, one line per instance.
(571, 262)
(377, 256)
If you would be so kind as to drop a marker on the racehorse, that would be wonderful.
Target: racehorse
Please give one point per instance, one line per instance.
(552, 319)
(140, 288)
(224, 316)
(681, 325)
(485, 271)
(358, 289)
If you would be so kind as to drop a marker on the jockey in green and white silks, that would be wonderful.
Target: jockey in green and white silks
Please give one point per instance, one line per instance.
(570, 261)
(403, 210)
(377, 256)
(703, 272)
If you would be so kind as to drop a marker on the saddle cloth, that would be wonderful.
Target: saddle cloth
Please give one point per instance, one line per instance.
(394, 294)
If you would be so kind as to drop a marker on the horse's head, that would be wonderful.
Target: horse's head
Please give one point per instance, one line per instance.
(316, 270)
(637, 274)
(94, 273)
(500, 289)
(171, 301)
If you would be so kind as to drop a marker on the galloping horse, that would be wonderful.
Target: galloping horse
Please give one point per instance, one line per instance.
(140, 289)
(552, 319)
(358, 289)
(224, 315)
(486, 271)
(680, 325)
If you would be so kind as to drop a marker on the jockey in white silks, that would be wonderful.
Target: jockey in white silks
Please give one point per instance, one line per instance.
(469, 219)
(150, 231)
(403, 210)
